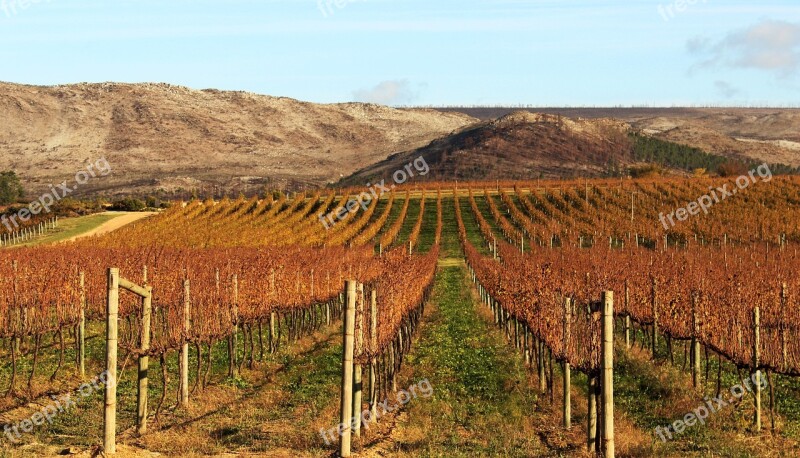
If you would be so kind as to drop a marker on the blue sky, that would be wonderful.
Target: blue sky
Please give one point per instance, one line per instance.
(419, 52)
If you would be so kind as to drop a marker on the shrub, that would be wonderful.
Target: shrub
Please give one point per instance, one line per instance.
(129, 204)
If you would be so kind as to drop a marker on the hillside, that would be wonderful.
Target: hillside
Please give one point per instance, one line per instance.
(163, 137)
(520, 145)
(760, 134)
(171, 139)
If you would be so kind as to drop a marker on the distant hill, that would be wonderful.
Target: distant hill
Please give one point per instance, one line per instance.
(163, 137)
(523, 145)
(520, 145)
(759, 134)
(173, 140)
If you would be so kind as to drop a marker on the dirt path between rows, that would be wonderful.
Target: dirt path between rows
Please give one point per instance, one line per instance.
(294, 393)
(123, 219)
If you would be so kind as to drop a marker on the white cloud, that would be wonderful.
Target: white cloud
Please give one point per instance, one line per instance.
(394, 92)
(770, 45)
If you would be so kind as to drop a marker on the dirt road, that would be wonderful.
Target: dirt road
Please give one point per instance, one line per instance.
(123, 219)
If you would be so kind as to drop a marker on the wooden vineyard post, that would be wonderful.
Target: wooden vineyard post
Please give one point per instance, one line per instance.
(655, 320)
(526, 344)
(272, 346)
(392, 364)
(607, 371)
(784, 306)
(627, 317)
(82, 329)
(235, 336)
(144, 364)
(756, 362)
(232, 344)
(695, 357)
(357, 367)
(591, 415)
(541, 365)
(112, 316)
(347, 369)
(327, 314)
(184, 386)
(373, 334)
(18, 318)
(567, 375)
(110, 414)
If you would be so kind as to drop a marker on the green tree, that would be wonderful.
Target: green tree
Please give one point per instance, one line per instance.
(10, 188)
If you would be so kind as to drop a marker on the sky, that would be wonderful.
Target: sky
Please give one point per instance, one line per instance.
(420, 52)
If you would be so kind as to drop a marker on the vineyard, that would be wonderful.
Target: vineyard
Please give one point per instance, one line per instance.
(577, 275)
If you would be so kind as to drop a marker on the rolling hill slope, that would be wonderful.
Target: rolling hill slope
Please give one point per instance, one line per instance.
(157, 136)
(520, 145)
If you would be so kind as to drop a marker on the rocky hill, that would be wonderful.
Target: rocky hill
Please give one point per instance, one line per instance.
(760, 134)
(163, 137)
(520, 145)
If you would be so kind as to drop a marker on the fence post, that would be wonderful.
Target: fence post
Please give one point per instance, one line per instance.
(591, 416)
(232, 345)
(785, 354)
(695, 344)
(345, 426)
(328, 313)
(655, 319)
(110, 414)
(756, 362)
(607, 370)
(373, 335)
(567, 374)
(357, 367)
(627, 316)
(184, 387)
(527, 344)
(82, 329)
(393, 365)
(272, 346)
(541, 365)
(144, 364)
